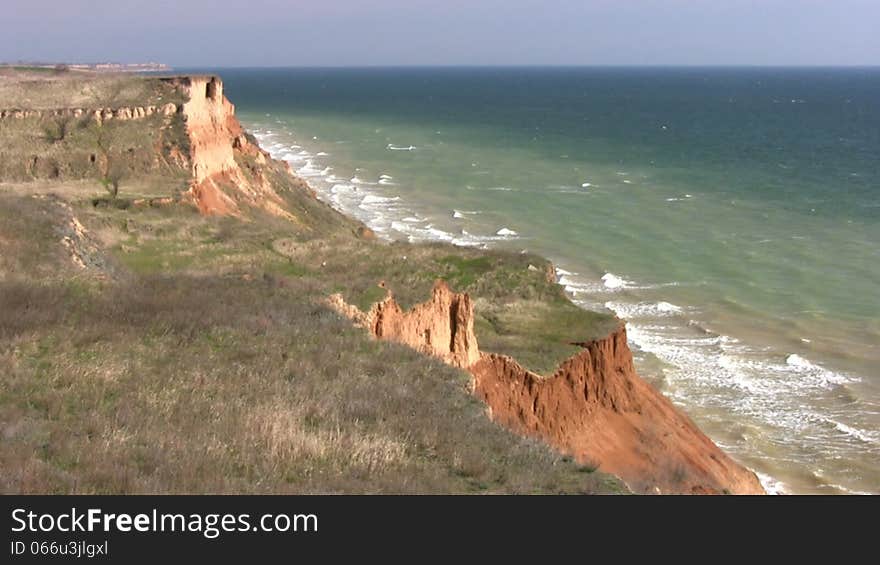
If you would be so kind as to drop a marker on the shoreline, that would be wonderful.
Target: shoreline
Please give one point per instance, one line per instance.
(669, 362)
(427, 207)
(302, 164)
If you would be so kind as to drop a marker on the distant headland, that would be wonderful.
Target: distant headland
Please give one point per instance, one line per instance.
(102, 67)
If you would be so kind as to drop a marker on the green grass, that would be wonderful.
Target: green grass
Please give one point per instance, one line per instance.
(157, 256)
(287, 269)
(370, 296)
(519, 312)
(463, 272)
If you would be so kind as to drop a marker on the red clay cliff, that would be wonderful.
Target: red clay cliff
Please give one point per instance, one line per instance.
(593, 407)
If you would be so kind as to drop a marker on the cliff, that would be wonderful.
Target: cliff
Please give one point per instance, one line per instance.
(91, 278)
(217, 147)
(594, 406)
(178, 133)
(179, 136)
(443, 326)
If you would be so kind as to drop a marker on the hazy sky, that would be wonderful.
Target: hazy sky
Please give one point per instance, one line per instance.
(444, 32)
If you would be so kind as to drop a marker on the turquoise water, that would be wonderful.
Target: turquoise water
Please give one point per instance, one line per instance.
(730, 215)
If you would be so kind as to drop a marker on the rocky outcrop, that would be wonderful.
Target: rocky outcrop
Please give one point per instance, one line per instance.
(212, 127)
(443, 326)
(594, 407)
(598, 409)
(219, 184)
(98, 114)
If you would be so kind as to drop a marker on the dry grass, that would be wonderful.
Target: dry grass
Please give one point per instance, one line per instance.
(61, 146)
(180, 384)
(198, 358)
(164, 352)
(40, 90)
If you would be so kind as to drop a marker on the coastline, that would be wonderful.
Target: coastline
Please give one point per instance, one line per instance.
(229, 179)
(764, 330)
(302, 162)
(791, 426)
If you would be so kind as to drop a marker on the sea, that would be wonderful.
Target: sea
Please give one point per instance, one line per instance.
(730, 215)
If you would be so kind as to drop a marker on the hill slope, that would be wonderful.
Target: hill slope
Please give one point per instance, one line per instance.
(164, 324)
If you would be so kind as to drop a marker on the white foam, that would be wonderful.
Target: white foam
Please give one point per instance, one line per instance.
(797, 361)
(396, 148)
(575, 287)
(586, 185)
(442, 235)
(629, 310)
(357, 180)
(386, 177)
(612, 281)
(322, 154)
(506, 232)
(861, 435)
(666, 307)
(500, 188)
(819, 374)
(771, 485)
(457, 215)
(376, 199)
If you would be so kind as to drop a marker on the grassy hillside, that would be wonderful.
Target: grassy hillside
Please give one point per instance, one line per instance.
(58, 137)
(190, 355)
(151, 349)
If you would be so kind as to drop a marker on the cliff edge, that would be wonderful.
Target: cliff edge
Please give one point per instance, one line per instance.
(173, 138)
(218, 145)
(594, 407)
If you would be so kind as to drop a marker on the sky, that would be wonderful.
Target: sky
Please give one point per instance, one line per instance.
(231, 33)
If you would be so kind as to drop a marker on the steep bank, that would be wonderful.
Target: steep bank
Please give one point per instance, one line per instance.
(177, 134)
(207, 366)
(228, 169)
(594, 406)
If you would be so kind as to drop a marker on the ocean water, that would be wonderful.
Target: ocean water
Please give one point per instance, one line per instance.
(731, 216)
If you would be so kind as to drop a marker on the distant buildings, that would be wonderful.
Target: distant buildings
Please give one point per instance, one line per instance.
(104, 67)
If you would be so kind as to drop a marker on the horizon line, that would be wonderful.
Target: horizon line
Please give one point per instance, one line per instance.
(540, 65)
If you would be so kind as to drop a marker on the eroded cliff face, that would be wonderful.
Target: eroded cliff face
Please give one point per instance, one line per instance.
(219, 183)
(102, 114)
(594, 406)
(184, 135)
(443, 326)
